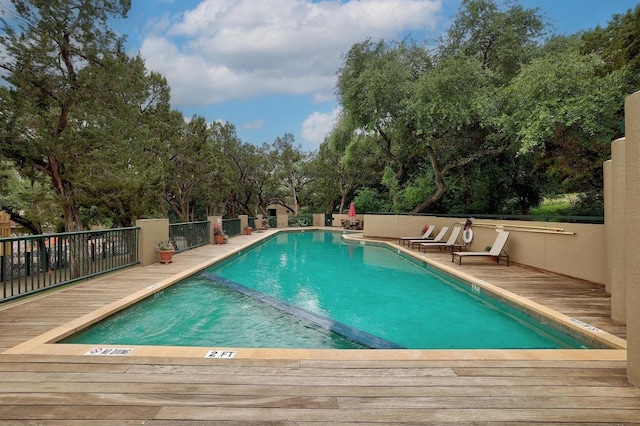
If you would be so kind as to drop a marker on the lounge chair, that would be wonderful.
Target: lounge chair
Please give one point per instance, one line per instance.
(450, 243)
(425, 236)
(497, 250)
(437, 239)
(356, 224)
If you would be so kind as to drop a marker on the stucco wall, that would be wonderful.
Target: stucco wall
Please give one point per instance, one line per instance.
(632, 245)
(607, 173)
(577, 251)
(617, 230)
(282, 220)
(337, 218)
(152, 231)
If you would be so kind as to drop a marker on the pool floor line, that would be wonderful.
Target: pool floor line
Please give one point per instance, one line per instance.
(359, 336)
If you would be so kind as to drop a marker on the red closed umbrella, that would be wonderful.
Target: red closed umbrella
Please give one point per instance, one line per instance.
(352, 210)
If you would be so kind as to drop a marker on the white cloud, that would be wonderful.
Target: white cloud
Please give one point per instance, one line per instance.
(240, 49)
(318, 125)
(321, 97)
(254, 125)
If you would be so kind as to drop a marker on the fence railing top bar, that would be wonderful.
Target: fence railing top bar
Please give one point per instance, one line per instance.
(188, 223)
(535, 218)
(66, 234)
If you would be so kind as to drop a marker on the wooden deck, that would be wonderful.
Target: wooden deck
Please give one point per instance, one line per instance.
(460, 387)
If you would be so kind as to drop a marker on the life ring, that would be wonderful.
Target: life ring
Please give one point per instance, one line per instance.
(467, 235)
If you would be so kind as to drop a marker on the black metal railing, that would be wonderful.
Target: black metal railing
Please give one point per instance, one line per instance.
(530, 218)
(189, 235)
(34, 263)
(231, 227)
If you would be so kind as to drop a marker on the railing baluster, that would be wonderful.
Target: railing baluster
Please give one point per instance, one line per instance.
(189, 235)
(34, 263)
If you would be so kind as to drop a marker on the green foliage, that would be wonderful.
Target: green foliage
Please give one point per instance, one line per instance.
(390, 180)
(487, 122)
(76, 105)
(553, 206)
(590, 203)
(437, 112)
(368, 200)
(563, 92)
(501, 39)
(583, 204)
(31, 202)
(411, 193)
(191, 169)
(618, 44)
(414, 191)
(302, 219)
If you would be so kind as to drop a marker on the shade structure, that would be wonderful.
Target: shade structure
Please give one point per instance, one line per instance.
(352, 210)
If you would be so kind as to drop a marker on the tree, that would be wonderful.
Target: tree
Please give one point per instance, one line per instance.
(618, 44)
(29, 202)
(439, 114)
(245, 172)
(48, 46)
(561, 104)
(123, 176)
(501, 40)
(373, 87)
(346, 162)
(289, 169)
(502, 184)
(452, 110)
(191, 168)
(435, 113)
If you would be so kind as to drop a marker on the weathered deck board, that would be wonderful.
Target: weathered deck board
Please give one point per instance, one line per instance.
(159, 391)
(496, 392)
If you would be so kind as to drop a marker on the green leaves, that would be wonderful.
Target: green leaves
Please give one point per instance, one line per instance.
(79, 111)
(564, 90)
(493, 87)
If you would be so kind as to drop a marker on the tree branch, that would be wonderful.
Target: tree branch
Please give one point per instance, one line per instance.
(34, 228)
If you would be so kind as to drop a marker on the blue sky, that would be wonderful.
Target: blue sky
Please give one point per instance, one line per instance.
(269, 66)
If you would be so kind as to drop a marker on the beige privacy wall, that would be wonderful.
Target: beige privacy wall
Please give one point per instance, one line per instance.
(615, 189)
(577, 250)
(152, 231)
(631, 243)
(622, 219)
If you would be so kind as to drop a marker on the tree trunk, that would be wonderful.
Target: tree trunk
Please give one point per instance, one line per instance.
(294, 194)
(440, 171)
(441, 186)
(466, 191)
(343, 202)
(77, 244)
(76, 247)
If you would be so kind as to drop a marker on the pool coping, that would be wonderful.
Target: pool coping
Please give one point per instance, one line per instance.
(44, 344)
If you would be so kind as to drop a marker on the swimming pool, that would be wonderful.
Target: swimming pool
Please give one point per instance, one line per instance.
(365, 287)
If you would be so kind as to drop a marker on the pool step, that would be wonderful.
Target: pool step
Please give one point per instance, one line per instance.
(359, 336)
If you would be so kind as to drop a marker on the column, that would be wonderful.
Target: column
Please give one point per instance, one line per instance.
(632, 245)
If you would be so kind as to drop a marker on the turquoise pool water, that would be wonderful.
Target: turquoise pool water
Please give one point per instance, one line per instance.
(314, 283)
